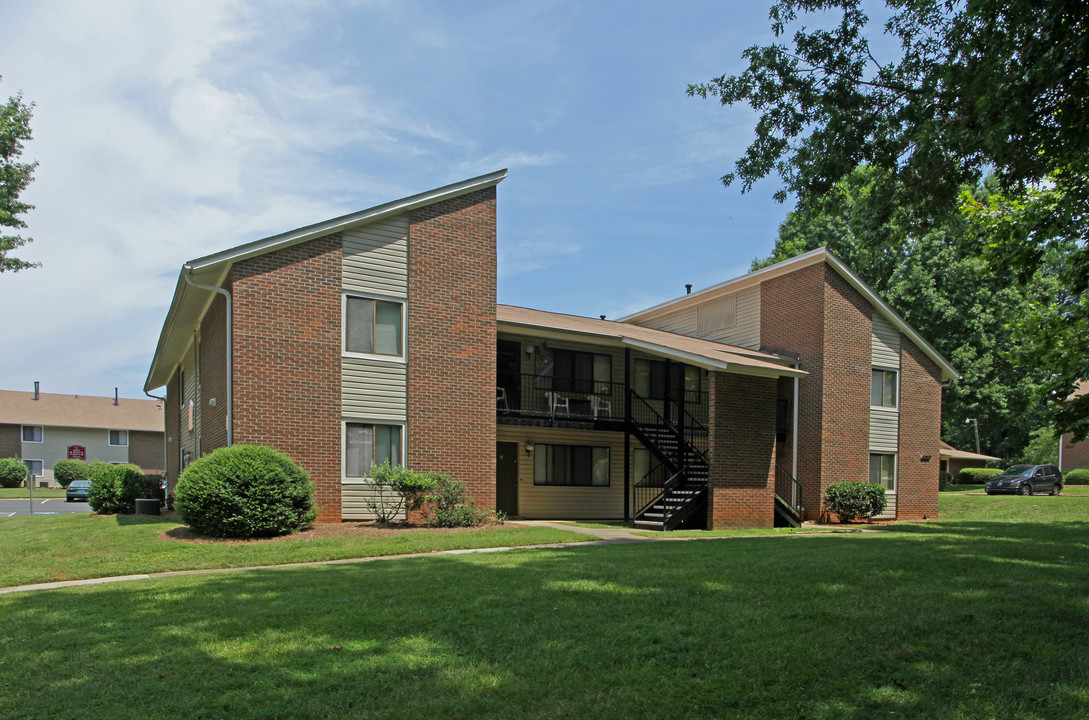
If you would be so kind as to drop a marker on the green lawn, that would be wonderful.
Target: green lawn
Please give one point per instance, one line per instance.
(21, 493)
(71, 547)
(970, 617)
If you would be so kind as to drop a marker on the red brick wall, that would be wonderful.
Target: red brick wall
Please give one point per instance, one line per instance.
(146, 450)
(792, 320)
(814, 312)
(452, 340)
(213, 376)
(741, 489)
(173, 429)
(11, 441)
(1075, 455)
(287, 338)
(920, 433)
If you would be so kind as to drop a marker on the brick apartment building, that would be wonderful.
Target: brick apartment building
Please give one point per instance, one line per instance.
(42, 428)
(376, 336)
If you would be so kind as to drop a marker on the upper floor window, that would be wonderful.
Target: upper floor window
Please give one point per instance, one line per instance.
(581, 372)
(373, 327)
(649, 379)
(883, 388)
(32, 433)
(119, 438)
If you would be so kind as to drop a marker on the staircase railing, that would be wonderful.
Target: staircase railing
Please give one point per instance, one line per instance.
(652, 487)
(643, 413)
(788, 490)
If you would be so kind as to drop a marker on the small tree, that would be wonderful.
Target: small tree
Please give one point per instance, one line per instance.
(450, 505)
(395, 490)
(66, 472)
(12, 472)
(851, 500)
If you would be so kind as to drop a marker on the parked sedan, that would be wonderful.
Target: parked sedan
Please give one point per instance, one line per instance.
(1026, 480)
(78, 490)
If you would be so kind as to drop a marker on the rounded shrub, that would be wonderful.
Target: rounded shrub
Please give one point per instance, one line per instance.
(246, 491)
(66, 471)
(114, 488)
(851, 500)
(12, 472)
(1077, 476)
(976, 476)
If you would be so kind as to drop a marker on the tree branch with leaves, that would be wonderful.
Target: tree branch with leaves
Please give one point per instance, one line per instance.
(15, 176)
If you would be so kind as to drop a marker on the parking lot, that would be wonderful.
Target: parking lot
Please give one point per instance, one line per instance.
(43, 506)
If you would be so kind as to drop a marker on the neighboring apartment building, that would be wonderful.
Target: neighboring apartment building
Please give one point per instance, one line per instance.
(42, 428)
(1074, 454)
(377, 336)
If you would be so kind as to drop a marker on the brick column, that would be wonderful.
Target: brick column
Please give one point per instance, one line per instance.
(452, 341)
(287, 359)
(741, 487)
(920, 433)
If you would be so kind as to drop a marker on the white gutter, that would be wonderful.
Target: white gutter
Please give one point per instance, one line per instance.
(187, 271)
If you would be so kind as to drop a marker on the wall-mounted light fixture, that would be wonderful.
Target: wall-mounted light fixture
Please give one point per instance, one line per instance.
(212, 402)
(925, 458)
(529, 350)
(529, 448)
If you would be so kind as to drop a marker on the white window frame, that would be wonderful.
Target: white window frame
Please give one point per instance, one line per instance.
(33, 460)
(111, 443)
(373, 356)
(344, 445)
(895, 407)
(41, 433)
(895, 470)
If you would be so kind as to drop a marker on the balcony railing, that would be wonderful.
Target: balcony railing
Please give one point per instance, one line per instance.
(548, 398)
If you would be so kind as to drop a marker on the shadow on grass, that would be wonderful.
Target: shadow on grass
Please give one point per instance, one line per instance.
(933, 621)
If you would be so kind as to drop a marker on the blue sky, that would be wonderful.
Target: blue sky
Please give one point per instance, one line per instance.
(166, 131)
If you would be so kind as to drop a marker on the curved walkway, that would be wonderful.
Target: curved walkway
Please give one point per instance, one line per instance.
(605, 536)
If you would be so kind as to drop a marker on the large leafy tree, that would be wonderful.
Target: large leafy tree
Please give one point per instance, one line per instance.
(14, 178)
(941, 93)
(937, 281)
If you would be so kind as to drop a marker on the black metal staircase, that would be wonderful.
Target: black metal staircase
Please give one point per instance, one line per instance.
(789, 510)
(675, 488)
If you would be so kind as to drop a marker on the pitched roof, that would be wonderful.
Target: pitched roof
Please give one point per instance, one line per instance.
(695, 351)
(86, 411)
(787, 266)
(948, 451)
(190, 303)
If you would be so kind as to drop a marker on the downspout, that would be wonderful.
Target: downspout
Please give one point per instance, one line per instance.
(162, 400)
(187, 274)
(794, 429)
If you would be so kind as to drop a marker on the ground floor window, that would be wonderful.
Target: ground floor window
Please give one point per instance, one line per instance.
(119, 437)
(883, 470)
(34, 467)
(579, 465)
(367, 445)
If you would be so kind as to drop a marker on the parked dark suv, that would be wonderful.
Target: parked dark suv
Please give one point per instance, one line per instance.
(1026, 480)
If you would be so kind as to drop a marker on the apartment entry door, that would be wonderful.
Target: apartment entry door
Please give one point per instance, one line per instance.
(506, 477)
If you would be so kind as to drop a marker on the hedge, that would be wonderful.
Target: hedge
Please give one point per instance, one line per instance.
(114, 488)
(976, 476)
(12, 472)
(1077, 476)
(65, 472)
(851, 500)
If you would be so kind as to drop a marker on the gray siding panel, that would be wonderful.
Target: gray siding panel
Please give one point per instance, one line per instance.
(885, 344)
(356, 498)
(376, 258)
(890, 506)
(373, 389)
(884, 430)
(744, 330)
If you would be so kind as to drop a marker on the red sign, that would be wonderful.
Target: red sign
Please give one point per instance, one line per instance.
(77, 452)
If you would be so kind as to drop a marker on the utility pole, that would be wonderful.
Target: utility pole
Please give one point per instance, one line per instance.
(975, 423)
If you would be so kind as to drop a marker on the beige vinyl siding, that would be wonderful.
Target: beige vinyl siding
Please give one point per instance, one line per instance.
(745, 330)
(376, 258)
(884, 429)
(885, 344)
(354, 498)
(374, 389)
(740, 313)
(555, 502)
(890, 507)
(375, 264)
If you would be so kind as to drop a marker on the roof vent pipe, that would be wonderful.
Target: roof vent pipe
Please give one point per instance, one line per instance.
(115, 398)
(36, 393)
(688, 288)
(602, 317)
